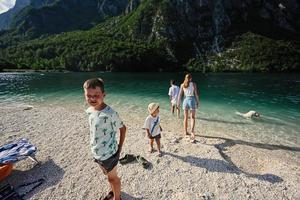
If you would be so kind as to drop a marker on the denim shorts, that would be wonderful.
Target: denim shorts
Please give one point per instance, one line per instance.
(189, 103)
(109, 163)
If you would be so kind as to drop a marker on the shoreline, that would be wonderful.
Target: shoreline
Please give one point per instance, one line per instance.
(67, 71)
(213, 168)
(32, 70)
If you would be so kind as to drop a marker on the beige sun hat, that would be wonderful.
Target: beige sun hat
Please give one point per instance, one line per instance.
(152, 107)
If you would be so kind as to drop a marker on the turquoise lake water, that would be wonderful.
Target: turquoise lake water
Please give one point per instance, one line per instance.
(275, 96)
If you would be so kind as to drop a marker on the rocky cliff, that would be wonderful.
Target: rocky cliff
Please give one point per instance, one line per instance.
(213, 35)
(7, 17)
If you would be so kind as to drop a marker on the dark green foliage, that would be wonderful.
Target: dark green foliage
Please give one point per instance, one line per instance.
(56, 18)
(129, 42)
(4, 64)
(252, 53)
(258, 53)
(88, 51)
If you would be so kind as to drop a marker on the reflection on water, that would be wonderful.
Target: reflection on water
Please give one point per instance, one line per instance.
(275, 96)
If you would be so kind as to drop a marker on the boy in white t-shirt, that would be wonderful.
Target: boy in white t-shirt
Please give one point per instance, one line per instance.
(152, 126)
(105, 124)
(173, 94)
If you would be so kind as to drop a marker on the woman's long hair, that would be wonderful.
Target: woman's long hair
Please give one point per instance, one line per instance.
(187, 80)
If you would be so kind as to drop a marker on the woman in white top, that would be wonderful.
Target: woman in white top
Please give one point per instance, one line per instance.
(190, 103)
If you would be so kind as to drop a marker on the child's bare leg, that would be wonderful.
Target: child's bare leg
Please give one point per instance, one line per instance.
(172, 109)
(151, 145)
(185, 121)
(178, 112)
(115, 183)
(157, 140)
(158, 144)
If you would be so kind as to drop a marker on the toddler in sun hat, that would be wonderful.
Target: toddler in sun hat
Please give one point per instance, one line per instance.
(152, 126)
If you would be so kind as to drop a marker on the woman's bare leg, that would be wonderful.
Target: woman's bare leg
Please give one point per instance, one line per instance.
(185, 121)
(193, 113)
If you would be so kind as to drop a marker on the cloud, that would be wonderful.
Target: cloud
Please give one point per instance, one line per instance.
(5, 5)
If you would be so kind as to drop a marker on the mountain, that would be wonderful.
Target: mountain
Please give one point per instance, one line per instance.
(41, 3)
(6, 18)
(133, 35)
(66, 16)
(209, 25)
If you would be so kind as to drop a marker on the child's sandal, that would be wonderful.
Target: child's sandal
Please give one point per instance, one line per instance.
(151, 150)
(109, 196)
(193, 137)
(159, 154)
(145, 163)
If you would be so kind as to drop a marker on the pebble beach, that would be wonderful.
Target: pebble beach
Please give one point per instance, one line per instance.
(217, 166)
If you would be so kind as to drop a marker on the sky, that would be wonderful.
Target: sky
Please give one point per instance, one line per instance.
(6, 4)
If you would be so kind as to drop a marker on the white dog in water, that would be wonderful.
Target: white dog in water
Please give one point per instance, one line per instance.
(249, 114)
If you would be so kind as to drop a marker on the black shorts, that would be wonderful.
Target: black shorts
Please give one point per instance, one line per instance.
(155, 137)
(109, 163)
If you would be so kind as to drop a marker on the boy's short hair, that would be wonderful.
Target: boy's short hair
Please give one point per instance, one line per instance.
(93, 83)
(172, 81)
